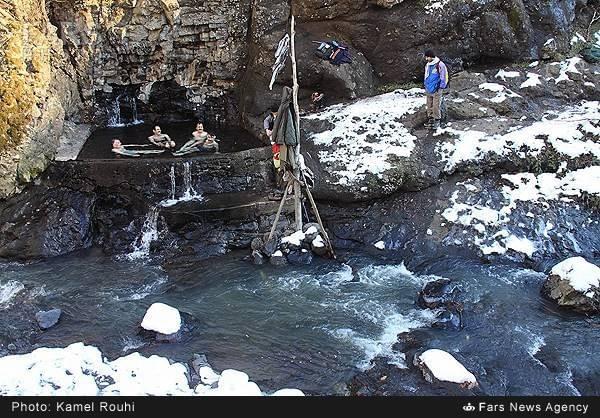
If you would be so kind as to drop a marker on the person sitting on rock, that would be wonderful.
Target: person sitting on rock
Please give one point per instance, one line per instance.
(161, 140)
(201, 141)
(316, 100)
(132, 150)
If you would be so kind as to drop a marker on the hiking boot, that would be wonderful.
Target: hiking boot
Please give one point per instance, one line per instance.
(429, 123)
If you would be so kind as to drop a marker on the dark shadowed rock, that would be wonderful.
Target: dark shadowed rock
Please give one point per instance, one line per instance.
(258, 258)
(437, 293)
(300, 257)
(278, 259)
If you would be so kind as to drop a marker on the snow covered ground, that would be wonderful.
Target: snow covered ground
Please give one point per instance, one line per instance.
(366, 133)
(491, 223)
(564, 131)
(80, 370)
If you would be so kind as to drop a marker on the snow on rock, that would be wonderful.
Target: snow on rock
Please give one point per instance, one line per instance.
(491, 222)
(533, 80)
(288, 392)
(208, 375)
(568, 66)
(444, 367)
(507, 74)
(502, 92)
(162, 318)
(80, 370)
(565, 132)
(574, 283)
(577, 38)
(311, 231)
(318, 242)
(380, 245)
(8, 291)
(295, 239)
(366, 133)
(580, 274)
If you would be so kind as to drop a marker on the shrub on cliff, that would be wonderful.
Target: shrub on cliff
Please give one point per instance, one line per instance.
(16, 94)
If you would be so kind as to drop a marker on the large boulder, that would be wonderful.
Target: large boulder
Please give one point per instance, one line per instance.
(45, 223)
(574, 283)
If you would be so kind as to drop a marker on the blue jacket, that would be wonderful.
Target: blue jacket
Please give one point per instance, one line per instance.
(434, 79)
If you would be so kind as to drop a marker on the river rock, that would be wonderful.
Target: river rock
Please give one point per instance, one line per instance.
(300, 257)
(271, 246)
(47, 319)
(257, 244)
(318, 246)
(278, 259)
(258, 258)
(437, 293)
(574, 283)
(442, 366)
(162, 318)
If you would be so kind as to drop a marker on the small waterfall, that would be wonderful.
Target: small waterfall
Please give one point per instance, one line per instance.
(149, 233)
(172, 175)
(114, 113)
(190, 193)
(115, 117)
(134, 112)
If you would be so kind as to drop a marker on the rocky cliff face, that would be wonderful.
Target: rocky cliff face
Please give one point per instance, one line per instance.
(211, 60)
(37, 92)
(172, 57)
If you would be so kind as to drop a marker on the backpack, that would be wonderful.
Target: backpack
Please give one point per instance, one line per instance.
(447, 72)
(333, 51)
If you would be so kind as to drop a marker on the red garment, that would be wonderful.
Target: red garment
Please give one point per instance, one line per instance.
(276, 150)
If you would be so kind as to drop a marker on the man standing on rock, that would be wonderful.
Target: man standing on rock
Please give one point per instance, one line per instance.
(435, 81)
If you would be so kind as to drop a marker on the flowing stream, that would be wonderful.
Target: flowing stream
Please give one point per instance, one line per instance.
(311, 327)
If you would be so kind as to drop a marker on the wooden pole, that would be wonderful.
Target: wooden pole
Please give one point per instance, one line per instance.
(285, 193)
(296, 87)
(316, 211)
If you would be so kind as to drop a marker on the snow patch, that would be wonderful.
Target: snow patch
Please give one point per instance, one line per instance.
(162, 318)
(8, 291)
(380, 245)
(365, 134)
(507, 74)
(446, 368)
(80, 370)
(565, 132)
(581, 274)
(295, 239)
(533, 80)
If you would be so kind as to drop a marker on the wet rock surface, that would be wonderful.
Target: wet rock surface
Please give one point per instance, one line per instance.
(574, 284)
(47, 319)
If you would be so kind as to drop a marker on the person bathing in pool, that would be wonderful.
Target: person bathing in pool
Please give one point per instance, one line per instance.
(201, 141)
